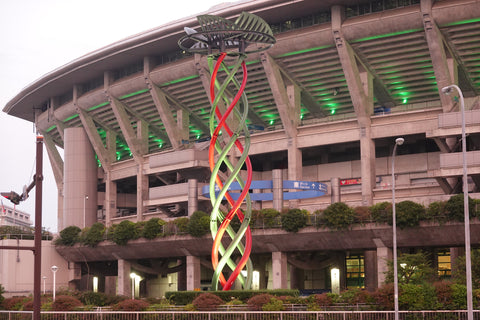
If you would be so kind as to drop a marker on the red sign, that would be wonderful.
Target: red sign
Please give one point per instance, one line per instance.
(349, 182)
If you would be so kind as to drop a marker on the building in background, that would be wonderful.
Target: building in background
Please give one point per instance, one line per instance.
(327, 101)
(11, 216)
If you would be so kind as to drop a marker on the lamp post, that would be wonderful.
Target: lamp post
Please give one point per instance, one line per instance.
(133, 276)
(85, 211)
(398, 142)
(466, 213)
(44, 284)
(54, 270)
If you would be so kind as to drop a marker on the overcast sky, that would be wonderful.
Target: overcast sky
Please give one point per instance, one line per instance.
(38, 36)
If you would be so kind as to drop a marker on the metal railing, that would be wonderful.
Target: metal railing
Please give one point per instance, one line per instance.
(244, 315)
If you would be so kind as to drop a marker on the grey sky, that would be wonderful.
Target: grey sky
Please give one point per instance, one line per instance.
(38, 36)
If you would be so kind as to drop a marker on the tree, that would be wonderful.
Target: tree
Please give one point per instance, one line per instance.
(458, 272)
(412, 269)
(338, 216)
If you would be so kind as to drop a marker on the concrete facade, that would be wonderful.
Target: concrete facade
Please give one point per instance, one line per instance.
(327, 102)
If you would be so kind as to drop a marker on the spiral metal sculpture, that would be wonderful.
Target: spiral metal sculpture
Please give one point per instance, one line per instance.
(219, 38)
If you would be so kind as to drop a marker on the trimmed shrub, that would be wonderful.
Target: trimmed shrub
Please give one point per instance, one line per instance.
(362, 214)
(124, 231)
(94, 235)
(294, 220)
(14, 303)
(417, 297)
(69, 236)
(207, 302)
(382, 212)
(2, 291)
(91, 298)
(436, 211)
(256, 302)
(408, 214)
(181, 224)
(273, 305)
(338, 216)
(198, 224)
(383, 297)
(454, 208)
(153, 228)
(444, 292)
(269, 217)
(322, 299)
(131, 305)
(65, 303)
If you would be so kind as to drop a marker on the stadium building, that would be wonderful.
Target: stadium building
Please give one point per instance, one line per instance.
(344, 79)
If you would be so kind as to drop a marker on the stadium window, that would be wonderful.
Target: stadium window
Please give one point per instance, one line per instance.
(355, 272)
(444, 264)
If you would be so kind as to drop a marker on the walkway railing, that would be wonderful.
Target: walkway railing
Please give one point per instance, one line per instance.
(246, 315)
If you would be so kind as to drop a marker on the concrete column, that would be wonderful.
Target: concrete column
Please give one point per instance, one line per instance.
(383, 255)
(370, 269)
(455, 253)
(110, 203)
(124, 283)
(193, 273)
(294, 167)
(142, 190)
(335, 190)
(80, 180)
(297, 277)
(192, 196)
(279, 270)
(277, 178)
(367, 160)
(182, 277)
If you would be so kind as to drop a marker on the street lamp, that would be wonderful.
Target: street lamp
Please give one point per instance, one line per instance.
(54, 270)
(133, 276)
(44, 286)
(398, 142)
(84, 210)
(466, 213)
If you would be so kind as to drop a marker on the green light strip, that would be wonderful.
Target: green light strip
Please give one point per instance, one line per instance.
(302, 51)
(179, 80)
(386, 35)
(457, 23)
(51, 128)
(70, 118)
(98, 106)
(128, 95)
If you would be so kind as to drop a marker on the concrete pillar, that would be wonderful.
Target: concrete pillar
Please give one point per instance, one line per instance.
(294, 167)
(124, 283)
(335, 190)
(142, 190)
(279, 270)
(455, 253)
(367, 163)
(80, 180)
(192, 196)
(110, 203)
(193, 273)
(370, 269)
(383, 255)
(277, 178)
(297, 277)
(182, 277)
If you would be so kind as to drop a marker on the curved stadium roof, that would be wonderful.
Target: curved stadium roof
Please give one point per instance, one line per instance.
(386, 38)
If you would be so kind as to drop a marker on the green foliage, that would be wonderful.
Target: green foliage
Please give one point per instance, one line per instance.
(269, 217)
(458, 272)
(322, 299)
(338, 216)
(65, 303)
(13, 303)
(198, 224)
(131, 305)
(207, 302)
(383, 297)
(257, 302)
(94, 235)
(382, 212)
(294, 220)
(459, 296)
(69, 236)
(2, 291)
(362, 214)
(98, 299)
(273, 305)
(417, 297)
(412, 269)
(408, 214)
(153, 228)
(454, 207)
(124, 231)
(181, 224)
(356, 296)
(436, 211)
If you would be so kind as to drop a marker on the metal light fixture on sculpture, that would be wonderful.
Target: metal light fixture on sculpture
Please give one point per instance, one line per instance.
(219, 38)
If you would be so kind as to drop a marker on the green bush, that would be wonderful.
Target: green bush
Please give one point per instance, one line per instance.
(269, 217)
(436, 211)
(124, 231)
(153, 228)
(131, 305)
(294, 220)
(98, 299)
(198, 224)
(454, 208)
(94, 235)
(338, 216)
(273, 305)
(408, 214)
(382, 212)
(14, 303)
(207, 302)
(383, 297)
(444, 292)
(181, 224)
(412, 269)
(321, 299)
(256, 302)
(362, 214)
(458, 272)
(69, 236)
(417, 297)
(65, 303)
(2, 291)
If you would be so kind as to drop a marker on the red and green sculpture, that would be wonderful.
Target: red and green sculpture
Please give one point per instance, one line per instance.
(227, 44)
